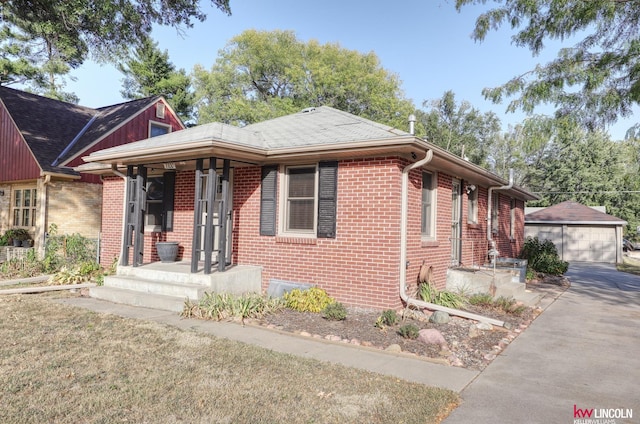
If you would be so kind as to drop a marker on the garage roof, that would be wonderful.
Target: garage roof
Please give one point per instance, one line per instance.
(570, 212)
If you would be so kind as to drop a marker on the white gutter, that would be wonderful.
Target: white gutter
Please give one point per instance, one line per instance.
(404, 213)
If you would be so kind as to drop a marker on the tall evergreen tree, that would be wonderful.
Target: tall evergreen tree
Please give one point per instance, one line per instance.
(149, 72)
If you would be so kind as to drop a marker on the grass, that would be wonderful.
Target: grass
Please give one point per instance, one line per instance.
(67, 365)
(630, 265)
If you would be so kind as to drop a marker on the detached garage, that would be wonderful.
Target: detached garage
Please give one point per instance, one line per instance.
(579, 232)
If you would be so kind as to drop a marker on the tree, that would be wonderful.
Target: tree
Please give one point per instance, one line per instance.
(35, 54)
(42, 41)
(108, 26)
(261, 75)
(148, 72)
(596, 80)
(460, 128)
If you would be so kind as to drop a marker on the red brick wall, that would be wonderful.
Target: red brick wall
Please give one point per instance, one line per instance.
(358, 267)
(361, 265)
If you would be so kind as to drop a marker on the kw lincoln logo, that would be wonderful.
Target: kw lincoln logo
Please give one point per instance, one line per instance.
(601, 415)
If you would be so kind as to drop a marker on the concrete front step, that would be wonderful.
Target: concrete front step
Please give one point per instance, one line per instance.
(181, 290)
(136, 298)
(480, 281)
(167, 285)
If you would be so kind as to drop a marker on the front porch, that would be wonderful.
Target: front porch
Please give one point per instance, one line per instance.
(166, 286)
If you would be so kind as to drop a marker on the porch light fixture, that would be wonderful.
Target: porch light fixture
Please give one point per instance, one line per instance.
(1, 193)
(169, 165)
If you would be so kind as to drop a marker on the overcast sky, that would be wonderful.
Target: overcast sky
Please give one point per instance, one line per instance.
(425, 42)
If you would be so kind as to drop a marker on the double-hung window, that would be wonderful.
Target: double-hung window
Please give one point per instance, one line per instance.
(427, 211)
(512, 219)
(300, 201)
(495, 213)
(24, 207)
(303, 198)
(472, 206)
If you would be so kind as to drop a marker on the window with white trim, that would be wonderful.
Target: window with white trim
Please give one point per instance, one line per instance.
(24, 207)
(495, 214)
(427, 215)
(512, 219)
(472, 206)
(300, 200)
(158, 128)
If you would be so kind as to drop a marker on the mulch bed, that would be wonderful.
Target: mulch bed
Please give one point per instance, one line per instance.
(465, 347)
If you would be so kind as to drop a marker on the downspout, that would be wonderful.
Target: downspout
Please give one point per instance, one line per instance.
(404, 217)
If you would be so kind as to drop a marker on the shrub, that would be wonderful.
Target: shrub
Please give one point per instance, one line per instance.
(542, 256)
(409, 331)
(76, 274)
(313, 299)
(387, 318)
(335, 312)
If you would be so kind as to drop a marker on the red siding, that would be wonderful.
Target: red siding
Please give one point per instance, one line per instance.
(16, 161)
(134, 130)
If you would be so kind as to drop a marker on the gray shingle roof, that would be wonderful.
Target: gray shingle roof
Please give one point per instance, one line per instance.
(571, 213)
(321, 125)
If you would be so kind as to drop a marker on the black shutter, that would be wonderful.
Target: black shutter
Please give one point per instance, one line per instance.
(167, 203)
(268, 192)
(327, 199)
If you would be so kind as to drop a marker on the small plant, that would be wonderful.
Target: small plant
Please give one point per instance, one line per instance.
(509, 305)
(313, 299)
(335, 312)
(481, 299)
(388, 318)
(76, 274)
(217, 307)
(430, 294)
(409, 331)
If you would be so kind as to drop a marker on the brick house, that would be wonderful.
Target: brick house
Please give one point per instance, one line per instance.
(320, 197)
(42, 140)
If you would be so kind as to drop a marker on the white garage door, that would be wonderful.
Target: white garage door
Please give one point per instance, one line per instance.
(591, 244)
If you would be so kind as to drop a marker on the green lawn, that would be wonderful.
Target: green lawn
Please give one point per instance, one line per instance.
(68, 365)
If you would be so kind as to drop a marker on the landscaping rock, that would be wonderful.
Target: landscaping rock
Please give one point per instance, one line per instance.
(439, 317)
(484, 326)
(394, 348)
(474, 332)
(431, 336)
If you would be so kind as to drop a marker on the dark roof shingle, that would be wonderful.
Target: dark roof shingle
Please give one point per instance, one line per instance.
(570, 212)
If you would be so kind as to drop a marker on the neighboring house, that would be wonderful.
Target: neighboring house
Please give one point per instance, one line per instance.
(320, 197)
(42, 140)
(579, 232)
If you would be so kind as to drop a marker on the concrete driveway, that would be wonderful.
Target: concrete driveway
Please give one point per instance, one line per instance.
(579, 360)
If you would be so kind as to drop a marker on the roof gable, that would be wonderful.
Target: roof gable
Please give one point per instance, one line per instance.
(570, 212)
(47, 125)
(57, 131)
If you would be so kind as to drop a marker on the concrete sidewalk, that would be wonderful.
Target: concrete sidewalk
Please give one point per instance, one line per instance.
(581, 354)
(397, 365)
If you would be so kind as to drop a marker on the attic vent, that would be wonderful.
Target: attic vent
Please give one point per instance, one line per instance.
(160, 110)
(309, 109)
